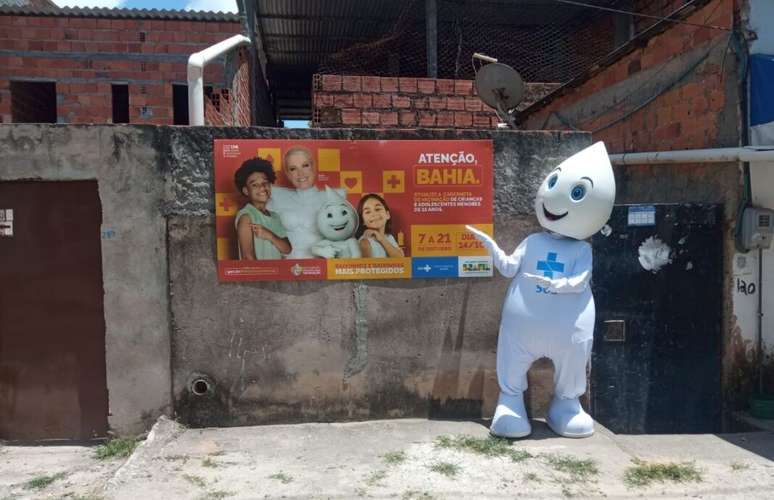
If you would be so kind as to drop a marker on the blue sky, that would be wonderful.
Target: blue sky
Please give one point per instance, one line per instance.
(214, 5)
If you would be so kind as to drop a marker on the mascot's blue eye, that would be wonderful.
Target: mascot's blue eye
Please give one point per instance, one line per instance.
(552, 181)
(330, 215)
(578, 192)
(344, 213)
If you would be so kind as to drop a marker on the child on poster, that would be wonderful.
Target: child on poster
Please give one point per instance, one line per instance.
(374, 234)
(260, 233)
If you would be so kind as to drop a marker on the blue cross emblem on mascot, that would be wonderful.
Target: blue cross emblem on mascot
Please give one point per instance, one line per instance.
(573, 202)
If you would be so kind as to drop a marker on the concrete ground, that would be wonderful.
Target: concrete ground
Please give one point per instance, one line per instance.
(391, 458)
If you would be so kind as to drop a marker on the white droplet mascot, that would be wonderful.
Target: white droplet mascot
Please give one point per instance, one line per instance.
(549, 309)
(337, 221)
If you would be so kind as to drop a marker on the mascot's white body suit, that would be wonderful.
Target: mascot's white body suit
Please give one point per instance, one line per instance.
(549, 308)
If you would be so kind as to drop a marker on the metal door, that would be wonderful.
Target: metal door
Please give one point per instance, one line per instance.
(657, 350)
(52, 328)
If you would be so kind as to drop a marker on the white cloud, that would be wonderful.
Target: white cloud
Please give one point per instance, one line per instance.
(212, 5)
(91, 3)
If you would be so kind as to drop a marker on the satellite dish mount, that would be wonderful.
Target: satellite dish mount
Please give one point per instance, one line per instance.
(499, 86)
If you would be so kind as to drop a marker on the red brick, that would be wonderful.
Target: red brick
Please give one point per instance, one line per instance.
(382, 100)
(408, 118)
(473, 104)
(343, 100)
(363, 100)
(455, 103)
(436, 102)
(389, 84)
(463, 119)
(323, 100)
(445, 119)
(331, 82)
(408, 85)
(419, 102)
(399, 101)
(426, 119)
(463, 87)
(350, 116)
(426, 86)
(482, 121)
(370, 118)
(445, 87)
(351, 83)
(388, 118)
(700, 104)
(371, 84)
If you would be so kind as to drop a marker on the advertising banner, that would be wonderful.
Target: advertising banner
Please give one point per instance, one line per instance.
(351, 209)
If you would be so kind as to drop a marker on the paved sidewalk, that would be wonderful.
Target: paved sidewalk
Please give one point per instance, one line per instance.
(391, 459)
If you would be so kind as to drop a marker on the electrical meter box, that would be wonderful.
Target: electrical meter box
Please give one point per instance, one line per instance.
(757, 227)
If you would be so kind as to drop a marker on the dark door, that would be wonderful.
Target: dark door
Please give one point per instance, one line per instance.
(52, 328)
(657, 349)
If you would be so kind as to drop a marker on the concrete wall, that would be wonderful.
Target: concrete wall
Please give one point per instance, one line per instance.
(126, 163)
(274, 351)
(283, 351)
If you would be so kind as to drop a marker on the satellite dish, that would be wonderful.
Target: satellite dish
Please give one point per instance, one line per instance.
(499, 86)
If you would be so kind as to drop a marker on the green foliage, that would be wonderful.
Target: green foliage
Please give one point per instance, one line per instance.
(645, 473)
(448, 469)
(115, 448)
(578, 469)
(489, 446)
(40, 482)
(394, 457)
(195, 480)
(281, 477)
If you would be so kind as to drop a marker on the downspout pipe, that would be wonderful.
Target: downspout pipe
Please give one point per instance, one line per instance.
(196, 64)
(718, 155)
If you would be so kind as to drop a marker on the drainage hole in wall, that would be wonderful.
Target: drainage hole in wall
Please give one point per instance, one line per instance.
(200, 387)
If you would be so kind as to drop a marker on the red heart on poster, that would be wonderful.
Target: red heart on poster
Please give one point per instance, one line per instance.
(350, 182)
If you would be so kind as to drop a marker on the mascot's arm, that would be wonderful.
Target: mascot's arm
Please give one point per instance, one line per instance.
(574, 283)
(508, 265)
(325, 249)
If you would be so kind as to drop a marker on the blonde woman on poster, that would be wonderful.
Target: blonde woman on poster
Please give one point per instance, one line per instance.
(298, 206)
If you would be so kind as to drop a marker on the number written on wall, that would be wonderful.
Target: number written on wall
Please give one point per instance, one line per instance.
(745, 288)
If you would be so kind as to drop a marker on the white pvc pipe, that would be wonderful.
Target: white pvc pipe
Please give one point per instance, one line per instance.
(719, 155)
(196, 64)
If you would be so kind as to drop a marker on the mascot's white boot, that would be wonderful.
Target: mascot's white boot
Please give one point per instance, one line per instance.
(510, 418)
(567, 418)
(549, 310)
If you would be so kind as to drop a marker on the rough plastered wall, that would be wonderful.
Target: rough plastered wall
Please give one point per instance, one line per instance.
(125, 163)
(321, 351)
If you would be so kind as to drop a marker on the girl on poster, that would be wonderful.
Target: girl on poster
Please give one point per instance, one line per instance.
(374, 234)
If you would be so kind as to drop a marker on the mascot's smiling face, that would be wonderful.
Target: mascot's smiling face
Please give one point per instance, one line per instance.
(337, 219)
(576, 198)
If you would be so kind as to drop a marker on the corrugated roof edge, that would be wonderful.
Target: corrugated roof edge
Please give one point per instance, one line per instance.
(638, 41)
(179, 15)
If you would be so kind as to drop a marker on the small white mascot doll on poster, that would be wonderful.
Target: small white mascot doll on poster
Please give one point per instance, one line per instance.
(549, 309)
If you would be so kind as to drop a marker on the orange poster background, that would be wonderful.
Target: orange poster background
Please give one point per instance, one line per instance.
(425, 183)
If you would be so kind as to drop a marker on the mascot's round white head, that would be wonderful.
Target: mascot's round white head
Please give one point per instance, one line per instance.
(576, 198)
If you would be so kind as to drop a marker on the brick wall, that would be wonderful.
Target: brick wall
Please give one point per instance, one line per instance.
(84, 55)
(383, 102)
(677, 91)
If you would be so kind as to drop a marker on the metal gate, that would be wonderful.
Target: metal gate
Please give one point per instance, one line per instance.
(52, 327)
(658, 289)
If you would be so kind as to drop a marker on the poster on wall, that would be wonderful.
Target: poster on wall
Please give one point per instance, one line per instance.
(351, 209)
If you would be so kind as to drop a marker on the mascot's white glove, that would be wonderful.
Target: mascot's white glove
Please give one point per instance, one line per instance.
(508, 265)
(325, 250)
(570, 284)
